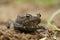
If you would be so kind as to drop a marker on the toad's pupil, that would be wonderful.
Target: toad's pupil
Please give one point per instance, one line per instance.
(28, 15)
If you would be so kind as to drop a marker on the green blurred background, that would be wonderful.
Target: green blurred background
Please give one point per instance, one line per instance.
(42, 2)
(39, 2)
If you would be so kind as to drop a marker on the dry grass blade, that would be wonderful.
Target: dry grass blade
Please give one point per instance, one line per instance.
(49, 24)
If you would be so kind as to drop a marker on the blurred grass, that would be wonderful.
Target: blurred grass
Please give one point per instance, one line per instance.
(5, 1)
(47, 2)
(40, 2)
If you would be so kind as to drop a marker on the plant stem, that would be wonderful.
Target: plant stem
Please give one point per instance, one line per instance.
(54, 14)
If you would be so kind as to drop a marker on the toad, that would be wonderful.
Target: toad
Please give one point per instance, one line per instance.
(27, 23)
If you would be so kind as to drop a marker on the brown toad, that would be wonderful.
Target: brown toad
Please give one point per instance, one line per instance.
(27, 23)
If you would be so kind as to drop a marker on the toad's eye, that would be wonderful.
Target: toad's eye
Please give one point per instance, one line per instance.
(28, 15)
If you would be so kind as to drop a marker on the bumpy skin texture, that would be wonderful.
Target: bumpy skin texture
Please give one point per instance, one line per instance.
(28, 20)
(27, 23)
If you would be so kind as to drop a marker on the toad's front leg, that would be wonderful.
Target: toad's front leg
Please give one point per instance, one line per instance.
(45, 29)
